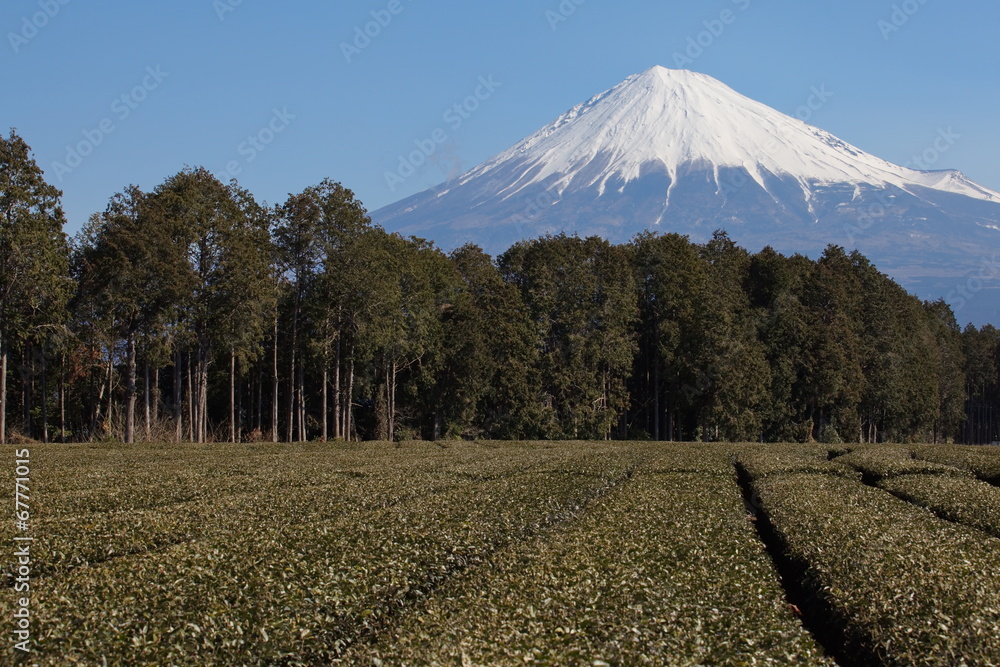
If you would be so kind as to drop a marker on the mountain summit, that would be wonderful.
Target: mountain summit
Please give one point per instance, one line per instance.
(678, 151)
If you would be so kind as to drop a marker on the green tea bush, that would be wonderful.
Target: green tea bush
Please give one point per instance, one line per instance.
(910, 588)
(302, 592)
(882, 462)
(984, 462)
(760, 461)
(968, 501)
(667, 569)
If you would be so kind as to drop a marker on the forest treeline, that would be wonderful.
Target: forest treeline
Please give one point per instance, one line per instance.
(193, 312)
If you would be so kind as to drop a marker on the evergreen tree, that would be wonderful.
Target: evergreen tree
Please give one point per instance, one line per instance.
(34, 264)
(220, 231)
(775, 287)
(734, 378)
(950, 409)
(299, 253)
(130, 276)
(561, 337)
(246, 289)
(581, 296)
(981, 349)
(672, 280)
(833, 380)
(341, 223)
(491, 354)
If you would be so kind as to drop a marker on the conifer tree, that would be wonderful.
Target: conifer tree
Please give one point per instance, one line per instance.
(34, 260)
(130, 274)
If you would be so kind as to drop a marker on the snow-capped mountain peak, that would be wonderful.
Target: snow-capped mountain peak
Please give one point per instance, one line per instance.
(677, 118)
(675, 150)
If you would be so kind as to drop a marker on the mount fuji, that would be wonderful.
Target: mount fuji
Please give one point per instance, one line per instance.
(677, 151)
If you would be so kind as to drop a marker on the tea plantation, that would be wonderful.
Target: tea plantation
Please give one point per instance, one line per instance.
(486, 553)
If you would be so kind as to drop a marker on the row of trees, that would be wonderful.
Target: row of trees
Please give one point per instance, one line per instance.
(194, 312)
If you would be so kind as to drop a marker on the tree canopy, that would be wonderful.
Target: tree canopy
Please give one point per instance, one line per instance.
(194, 312)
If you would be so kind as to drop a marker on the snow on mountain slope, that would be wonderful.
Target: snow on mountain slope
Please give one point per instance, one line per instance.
(674, 150)
(676, 117)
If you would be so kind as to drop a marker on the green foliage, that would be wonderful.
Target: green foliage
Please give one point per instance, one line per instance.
(291, 553)
(34, 254)
(828, 435)
(664, 569)
(485, 383)
(982, 378)
(310, 322)
(760, 461)
(500, 553)
(967, 501)
(35, 285)
(581, 298)
(983, 462)
(908, 587)
(878, 463)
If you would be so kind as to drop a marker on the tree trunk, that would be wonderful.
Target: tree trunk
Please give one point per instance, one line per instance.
(349, 399)
(303, 436)
(27, 388)
(240, 395)
(337, 424)
(326, 406)
(274, 403)
(45, 399)
(203, 398)
(3, 392)
(392, 402)
(204, 404)
(156, 396)
(109, 422)
(291, 397)
(259, 418)
(388, 403)
(190, 402)
(62, 400)
(292, 407)
(148, 399)
(178, 398)
(656, 401)
(232, 396)
(130, 391)
(96, 404)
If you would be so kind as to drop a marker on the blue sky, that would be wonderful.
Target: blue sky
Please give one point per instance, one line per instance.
(269, 90)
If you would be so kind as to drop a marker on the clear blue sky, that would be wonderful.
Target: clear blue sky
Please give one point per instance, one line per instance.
(220, 80)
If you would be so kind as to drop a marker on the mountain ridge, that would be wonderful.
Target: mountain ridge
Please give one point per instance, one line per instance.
(679, 151)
